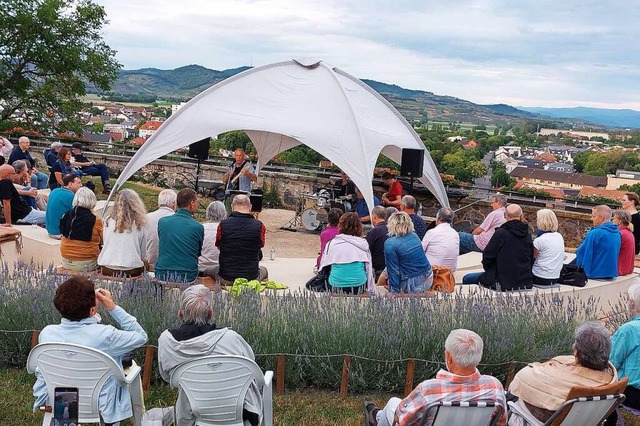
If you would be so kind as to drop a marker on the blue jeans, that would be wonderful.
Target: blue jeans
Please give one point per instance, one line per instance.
(472, 278)
(35, 216)
(98, 169)
(39, 180)
(467, 243)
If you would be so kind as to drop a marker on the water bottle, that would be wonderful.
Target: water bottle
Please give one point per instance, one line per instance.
(419, 209)
(272, 254)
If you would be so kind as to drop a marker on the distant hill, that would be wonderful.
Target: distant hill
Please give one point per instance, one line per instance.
(185, 82)
(625, 118)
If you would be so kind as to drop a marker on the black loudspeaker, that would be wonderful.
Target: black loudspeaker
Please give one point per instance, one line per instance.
(412, 162)
(200, 149)
(256, 200)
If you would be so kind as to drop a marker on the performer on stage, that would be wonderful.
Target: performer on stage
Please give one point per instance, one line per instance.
(345, 187)
(241, 173)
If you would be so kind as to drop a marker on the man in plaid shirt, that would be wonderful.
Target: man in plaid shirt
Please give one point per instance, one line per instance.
(462, 382)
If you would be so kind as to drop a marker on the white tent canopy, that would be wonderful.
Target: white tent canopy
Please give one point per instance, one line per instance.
(290, 103)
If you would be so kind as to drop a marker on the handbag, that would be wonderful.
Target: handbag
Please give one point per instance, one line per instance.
(320, 283)
(443, 279)
(573, 275)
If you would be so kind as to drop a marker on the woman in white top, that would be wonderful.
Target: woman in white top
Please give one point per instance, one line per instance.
(125, 239)
(548, 249)
(216, 212)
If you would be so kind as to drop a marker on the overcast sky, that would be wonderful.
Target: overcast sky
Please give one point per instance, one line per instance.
(559, 53)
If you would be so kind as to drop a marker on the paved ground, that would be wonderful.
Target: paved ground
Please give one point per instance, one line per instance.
(300, 244)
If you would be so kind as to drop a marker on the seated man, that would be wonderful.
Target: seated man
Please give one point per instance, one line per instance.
(442, 243)
(625, 349)
(541, 388)
(166, 207)
(361, 207)
(240, 238)
(77, 300)
(460, 382)
(91, 168)
(180, 239)
(598, 252)
(508, 258)
(393, 196)
(60, 202)
(21, 152)
(198, 337)
(376, 239)
(479, 238)
(51, 154)
(22, 180)
(16, 210)
(345, 187)
(408, 205)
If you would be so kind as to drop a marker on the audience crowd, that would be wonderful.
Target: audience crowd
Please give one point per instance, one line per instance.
(399, 251)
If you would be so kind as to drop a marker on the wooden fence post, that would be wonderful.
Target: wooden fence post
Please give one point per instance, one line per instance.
(511, 374)
(34, 338)
(408, 380)
(280, 374)
(344, 381)
(148, 367)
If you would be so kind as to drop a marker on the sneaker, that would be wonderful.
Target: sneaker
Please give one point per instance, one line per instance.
(106, 190)
(370, 411)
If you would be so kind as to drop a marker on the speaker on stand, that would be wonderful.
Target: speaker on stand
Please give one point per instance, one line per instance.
(412, 164)
(200, 151)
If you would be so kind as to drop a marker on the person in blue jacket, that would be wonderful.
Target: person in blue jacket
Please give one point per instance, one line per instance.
(598, 252)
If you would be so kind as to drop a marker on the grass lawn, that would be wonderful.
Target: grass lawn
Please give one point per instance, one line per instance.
(306, 408)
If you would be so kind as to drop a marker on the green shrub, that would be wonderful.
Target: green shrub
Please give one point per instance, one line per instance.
(315, 331)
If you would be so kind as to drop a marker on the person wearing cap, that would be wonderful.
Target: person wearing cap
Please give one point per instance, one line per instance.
(51, 154)
(91, 168)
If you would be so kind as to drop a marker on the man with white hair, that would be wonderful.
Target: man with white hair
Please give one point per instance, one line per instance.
(166, 207)
(442, 243)
(21, 152)
(598, 252)
(481, 235)
(461, 381)
(198, 337)
(625, 348)
(240, 238)
(408, 205)
(51, 154)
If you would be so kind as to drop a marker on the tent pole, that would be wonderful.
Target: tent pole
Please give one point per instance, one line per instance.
(198, 173)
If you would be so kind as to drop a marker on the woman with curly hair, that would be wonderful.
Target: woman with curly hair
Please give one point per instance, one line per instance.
(125, 238)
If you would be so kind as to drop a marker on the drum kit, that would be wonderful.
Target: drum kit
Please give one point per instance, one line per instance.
(313, 209)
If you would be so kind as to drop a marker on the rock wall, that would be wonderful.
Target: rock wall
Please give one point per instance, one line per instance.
(294, 190)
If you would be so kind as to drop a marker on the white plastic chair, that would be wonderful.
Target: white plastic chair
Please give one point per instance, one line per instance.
(77, 366)
(216, 386)
(584, 411)
(463, 413)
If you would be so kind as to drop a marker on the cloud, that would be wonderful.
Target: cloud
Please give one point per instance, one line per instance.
(546, 53)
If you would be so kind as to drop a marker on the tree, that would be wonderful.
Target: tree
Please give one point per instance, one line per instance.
(48, 50)
(499, 175)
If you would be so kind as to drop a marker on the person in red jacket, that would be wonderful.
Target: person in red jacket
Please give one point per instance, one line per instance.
(626, 257)
(393, 196)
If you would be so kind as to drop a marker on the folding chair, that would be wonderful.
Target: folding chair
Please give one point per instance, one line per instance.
(580, 409)
(77, 366)
(216, 386)
(448, 413)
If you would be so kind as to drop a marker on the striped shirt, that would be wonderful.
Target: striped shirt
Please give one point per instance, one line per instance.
(450, 387)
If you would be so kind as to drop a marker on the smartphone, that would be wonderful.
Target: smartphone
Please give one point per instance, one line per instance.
(65, 407)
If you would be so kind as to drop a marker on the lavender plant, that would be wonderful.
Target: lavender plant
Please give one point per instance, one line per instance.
(316, 331)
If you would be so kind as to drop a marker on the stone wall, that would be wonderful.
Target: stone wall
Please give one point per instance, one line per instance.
(292, 189)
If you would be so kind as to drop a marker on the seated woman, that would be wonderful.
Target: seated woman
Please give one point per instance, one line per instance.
(22, 181)
(62, 167)
(548, 249)
(78, 301)
(408, 270)
(81, 233)
(216, 212)
(626, 258)
(125, 239)
(330, 232)
(349, 257)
